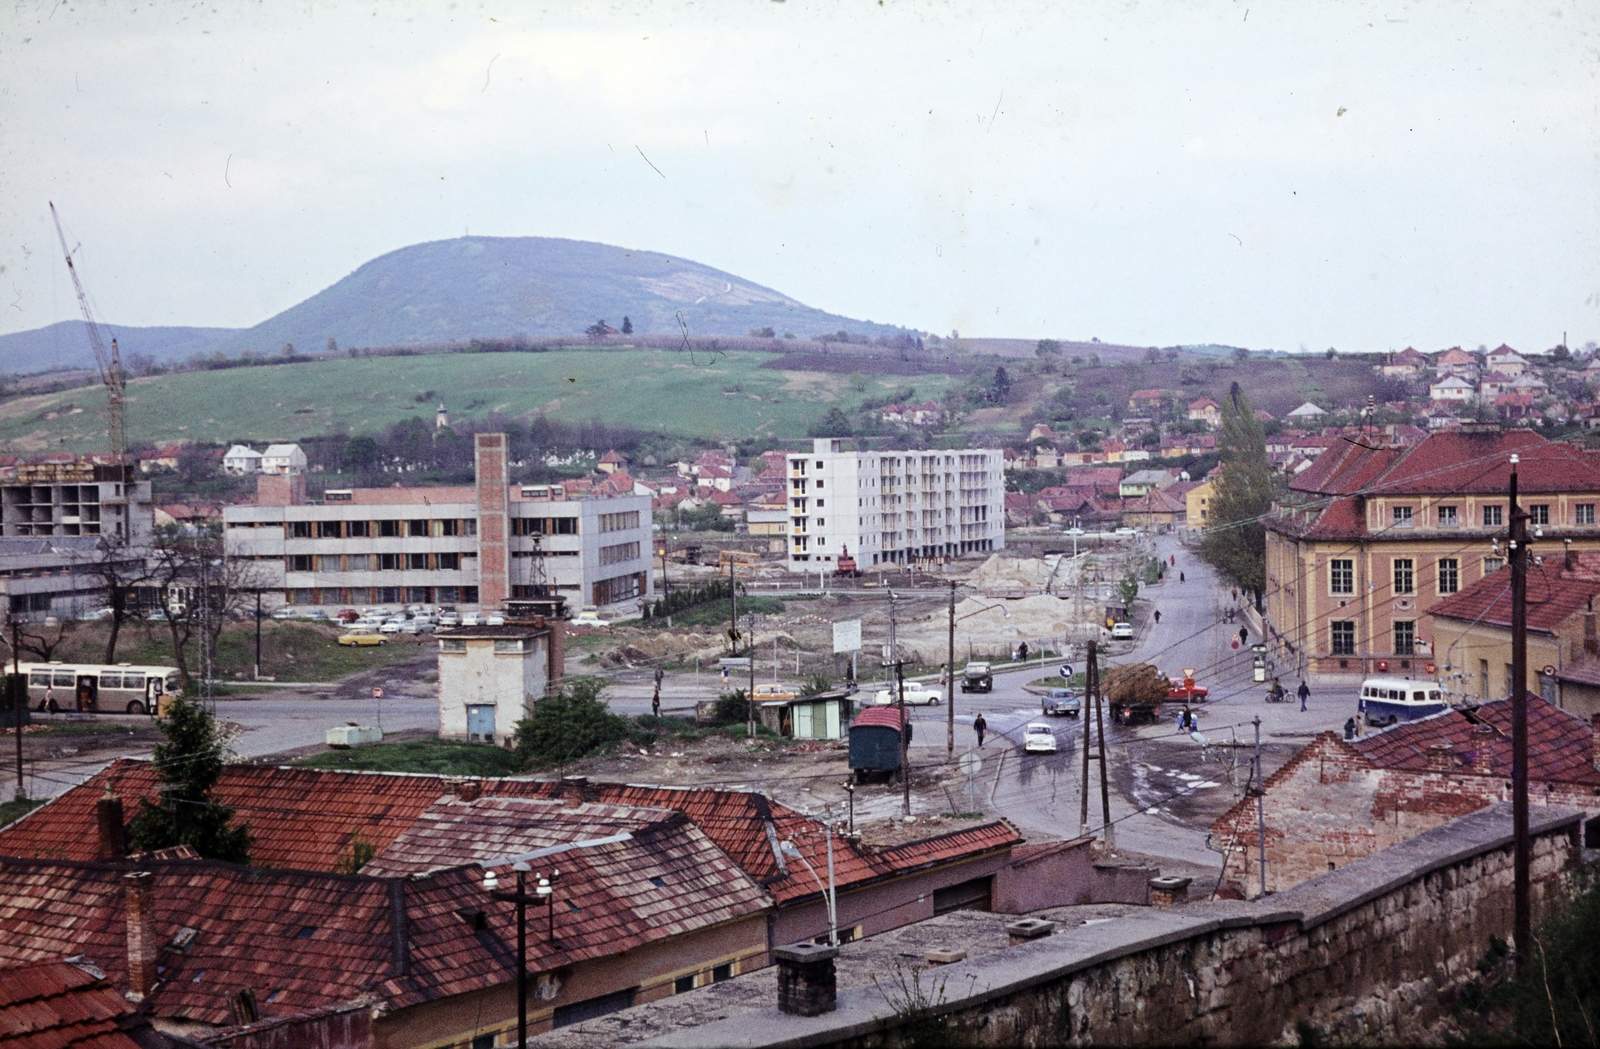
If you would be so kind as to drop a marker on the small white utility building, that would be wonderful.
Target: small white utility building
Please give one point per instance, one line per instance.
(490, 677)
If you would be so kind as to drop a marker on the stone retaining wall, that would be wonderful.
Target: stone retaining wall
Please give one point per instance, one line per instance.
(1370, 954)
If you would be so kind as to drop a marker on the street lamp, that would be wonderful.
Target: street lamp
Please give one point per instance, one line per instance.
(790, 849)
(545, 897)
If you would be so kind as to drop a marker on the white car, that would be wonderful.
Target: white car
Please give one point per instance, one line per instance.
(471, 619)
(1038, 738)
(392, 627)
(286, 612)
(448, 619)
(1122, 632)
(416, 626)
(590, 616)
(916, 696)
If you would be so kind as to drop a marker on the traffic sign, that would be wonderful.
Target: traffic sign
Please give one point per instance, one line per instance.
(1188, 671)
(971, 764)
(377, 693)
(1235, 643)
(1066, 670)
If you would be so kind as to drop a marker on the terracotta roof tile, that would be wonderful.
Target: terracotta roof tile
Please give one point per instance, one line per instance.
(57, 1004)
(1554, 594)
(1560, 744)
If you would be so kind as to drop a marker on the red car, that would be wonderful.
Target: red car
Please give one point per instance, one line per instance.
(1184, 690)
(347, 615)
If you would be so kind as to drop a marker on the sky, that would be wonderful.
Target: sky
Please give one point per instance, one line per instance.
(1271, 175)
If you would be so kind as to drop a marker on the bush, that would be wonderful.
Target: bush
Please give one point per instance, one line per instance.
(568, 724)
(731, 709)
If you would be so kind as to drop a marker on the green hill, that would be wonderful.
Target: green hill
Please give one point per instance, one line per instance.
(700, 394)
(64, 345)
(502, 287)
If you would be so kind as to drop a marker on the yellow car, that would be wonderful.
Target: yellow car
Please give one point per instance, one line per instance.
(362, 636)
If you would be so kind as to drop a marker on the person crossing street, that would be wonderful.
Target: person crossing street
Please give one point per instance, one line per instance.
(1304, 690)
(980, 726)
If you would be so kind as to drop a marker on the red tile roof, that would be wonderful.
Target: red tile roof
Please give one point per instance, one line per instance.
(1555, 592)
(1455, 463)
(1560, 744)
(55, 1004)
(307, 818)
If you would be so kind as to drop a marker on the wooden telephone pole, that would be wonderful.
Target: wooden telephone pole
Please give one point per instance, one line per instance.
(1517, 553)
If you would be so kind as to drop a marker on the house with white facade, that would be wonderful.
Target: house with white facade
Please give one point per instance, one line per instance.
(1307, 413)
(1452, 388)
(240, 460)
(490, 677)
(283, 459)
(893, 506)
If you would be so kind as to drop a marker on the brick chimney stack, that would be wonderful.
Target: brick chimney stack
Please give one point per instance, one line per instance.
(108, 815)
(137, 887)
(1594, 740)
(574, 791)
(1441, 757)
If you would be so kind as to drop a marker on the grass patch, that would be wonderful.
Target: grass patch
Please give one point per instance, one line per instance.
(14, 810)
(291, 650)
(446, 757)
(1079, 681)
(715, 613)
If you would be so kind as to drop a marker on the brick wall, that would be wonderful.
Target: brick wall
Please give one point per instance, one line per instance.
(1328, 806)
(1369, 954)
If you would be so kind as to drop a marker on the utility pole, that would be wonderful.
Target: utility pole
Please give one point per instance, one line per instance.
(1105, 787)
(905, 744)
(750, 651)
(18, 690)
(1091, 672)
(1261, 810)
(950, 682)
(1517, 551)
(258, 634)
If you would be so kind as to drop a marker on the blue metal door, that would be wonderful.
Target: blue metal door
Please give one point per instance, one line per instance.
(480, 724)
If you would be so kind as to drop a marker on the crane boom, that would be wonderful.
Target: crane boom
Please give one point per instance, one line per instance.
(108, 361)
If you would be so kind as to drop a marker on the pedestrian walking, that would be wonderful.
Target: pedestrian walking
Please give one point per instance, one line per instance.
(1244, 634)
(49, 700)
(1305, 690)
(1350, 729)
(1157, 616)
(980, 726)
(1174, 560)
(1180, 577)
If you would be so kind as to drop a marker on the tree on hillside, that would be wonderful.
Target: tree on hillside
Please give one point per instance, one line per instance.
(833, 424)
(1000, 388)
(188, 764)
(1236, 541)
(1048, 348)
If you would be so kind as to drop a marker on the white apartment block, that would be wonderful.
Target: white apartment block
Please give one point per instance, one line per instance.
(472, 546)
(893, 507)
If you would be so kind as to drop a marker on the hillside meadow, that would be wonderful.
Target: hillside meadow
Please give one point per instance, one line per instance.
(699, 394)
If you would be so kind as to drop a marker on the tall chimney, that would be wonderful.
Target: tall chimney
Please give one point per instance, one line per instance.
(108, 815)
(137, 887)
(1441, 757)
(574, 791)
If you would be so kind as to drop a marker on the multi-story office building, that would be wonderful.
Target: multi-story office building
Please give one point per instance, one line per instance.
(893, 507)
(76, 497)
(470, 546)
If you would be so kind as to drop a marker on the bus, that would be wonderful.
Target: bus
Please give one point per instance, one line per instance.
(120, 689)
(1389, 700)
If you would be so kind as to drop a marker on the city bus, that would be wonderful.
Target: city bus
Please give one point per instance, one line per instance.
(1389, 700)
(120, 689)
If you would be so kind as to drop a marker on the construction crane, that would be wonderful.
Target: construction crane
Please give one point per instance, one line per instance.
(109, 362)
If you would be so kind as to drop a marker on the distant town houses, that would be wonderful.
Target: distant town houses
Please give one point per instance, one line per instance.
(920, 414)
(1207, 411)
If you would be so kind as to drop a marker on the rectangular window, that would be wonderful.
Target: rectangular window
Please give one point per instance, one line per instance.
(327, 529)
(358, 529)
(446, 595)
(1402, 516)
(388, 529)
(417, 562)
(610, 555)
(1539, 514)
(1449, 575)
(505, 646)
(417, 528)
(1342, 634)
(683, 983)
(388, 595)
(417, 595)
(388, 562)
(452, 644)
(619, 522)
(1405, 638)
(1493, 564)
(299, 529)
(450, 526)
(358, 562)
(577, 1012)
(449, 562)
(1447, 517)
(1583, 514)
(1404, 575)
(469, 595)
(1341, 576)
(299, 562)
(1493, 516)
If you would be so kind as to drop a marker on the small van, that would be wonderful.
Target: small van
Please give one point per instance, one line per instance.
(1388, 701)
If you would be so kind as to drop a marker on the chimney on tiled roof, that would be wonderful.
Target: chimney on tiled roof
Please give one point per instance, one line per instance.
(1594, 740)
(807, 979)
(108, 815)
(575, 791)
(1441, 757)
(466, 789)
(1482, 760)
(137, 890)
(1591, 643)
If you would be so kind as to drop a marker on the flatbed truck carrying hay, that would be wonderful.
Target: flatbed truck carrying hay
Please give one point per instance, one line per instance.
(1135, 692)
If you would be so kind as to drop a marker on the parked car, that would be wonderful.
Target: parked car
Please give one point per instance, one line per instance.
(1061, 703)
(316, 614)
(471, 619)
(448, 619)
(393, 626)
(916, 696)
(1186, 691)
(1122, 632)
(286, 612)
(590, 616)
(494, 619)
(416, 626)
(1038, 738)
(361, 636)
(347, 615)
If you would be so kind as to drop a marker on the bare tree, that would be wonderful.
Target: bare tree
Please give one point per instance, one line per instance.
(200, 589)
(42, 639)
(120, 570)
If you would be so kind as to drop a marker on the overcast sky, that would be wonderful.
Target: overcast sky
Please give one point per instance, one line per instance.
(1278, 174)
